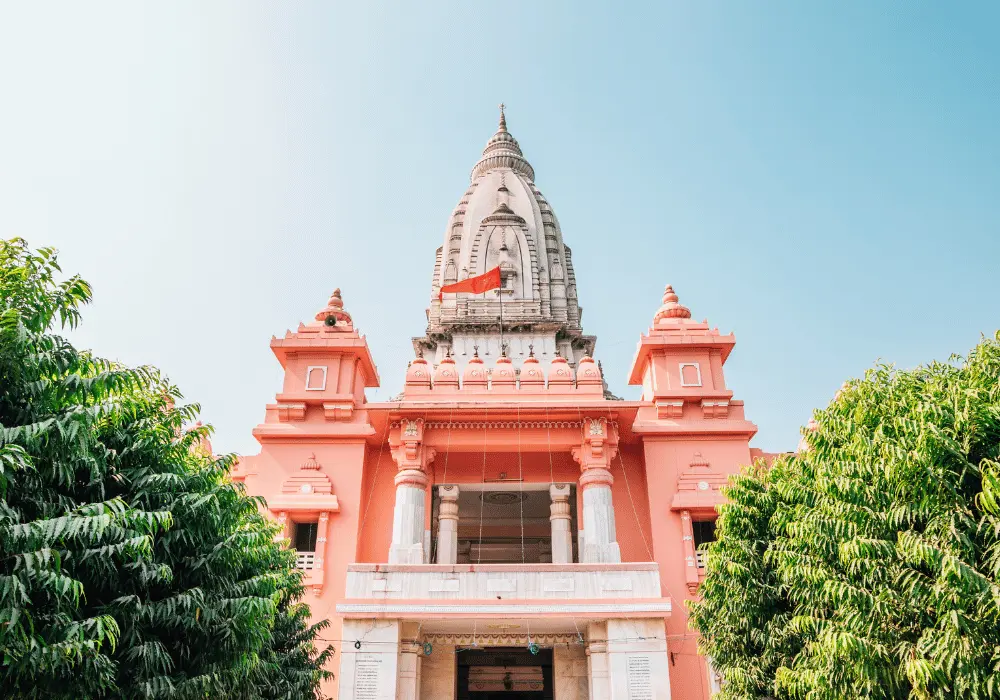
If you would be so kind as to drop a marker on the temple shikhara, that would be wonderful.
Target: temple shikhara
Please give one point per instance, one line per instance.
(505, 527)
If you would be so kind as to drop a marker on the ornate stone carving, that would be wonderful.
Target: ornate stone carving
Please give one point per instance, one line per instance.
(503, 220)
(501, 640)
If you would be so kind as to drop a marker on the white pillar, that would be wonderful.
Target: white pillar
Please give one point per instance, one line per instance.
(562, 536)
(408, 685)
(600, 539)
(408, 518)
(447, 544)
(597, 660)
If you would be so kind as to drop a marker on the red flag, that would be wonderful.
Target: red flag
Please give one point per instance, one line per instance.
(474, 285)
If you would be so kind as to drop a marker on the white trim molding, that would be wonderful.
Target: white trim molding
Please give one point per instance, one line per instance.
(697, 368)
(386, 608)
(309, 371)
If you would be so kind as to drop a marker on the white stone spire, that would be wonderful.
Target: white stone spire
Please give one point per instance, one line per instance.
(504, 220)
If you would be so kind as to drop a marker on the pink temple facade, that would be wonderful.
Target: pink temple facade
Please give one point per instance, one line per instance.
(504, 527)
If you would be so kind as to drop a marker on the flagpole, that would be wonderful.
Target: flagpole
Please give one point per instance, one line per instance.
(500, 293)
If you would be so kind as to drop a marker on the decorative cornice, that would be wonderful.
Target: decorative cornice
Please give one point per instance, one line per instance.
(496, 425)
(501, 640)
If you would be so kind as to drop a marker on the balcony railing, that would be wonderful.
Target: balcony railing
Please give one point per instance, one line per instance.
(558, 582)
(305, 560)
(701, 556)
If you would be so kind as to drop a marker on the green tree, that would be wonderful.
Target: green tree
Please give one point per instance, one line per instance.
(131, 566)
(866, 565)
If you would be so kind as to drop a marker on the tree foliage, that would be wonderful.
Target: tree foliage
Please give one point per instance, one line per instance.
(130, 566)
(867, 565)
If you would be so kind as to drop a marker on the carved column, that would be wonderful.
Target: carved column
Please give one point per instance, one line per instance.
(412, 458)
(690, 557)
(408, 683)
(562, 536)
(447, 544)
(600, 445)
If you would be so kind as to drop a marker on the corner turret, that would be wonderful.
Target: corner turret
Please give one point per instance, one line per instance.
(679, 365)
(327, 367)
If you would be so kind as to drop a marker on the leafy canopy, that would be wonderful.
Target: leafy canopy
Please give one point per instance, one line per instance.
(867, 565)
(130, 566)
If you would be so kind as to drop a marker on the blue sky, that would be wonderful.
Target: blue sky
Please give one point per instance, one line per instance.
(819, 178)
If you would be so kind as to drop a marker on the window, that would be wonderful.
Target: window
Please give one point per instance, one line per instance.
(315, 378)
(305, 537)
(704, 532)
(304, 540)
(690, 374)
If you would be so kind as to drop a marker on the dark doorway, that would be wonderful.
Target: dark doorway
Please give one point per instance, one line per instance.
(504, 673)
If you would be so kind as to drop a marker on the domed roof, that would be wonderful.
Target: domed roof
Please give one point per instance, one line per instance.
(418, 373)
(588, 372)
(503, 373)
(532, 373)
(474, 373)
(560, 373)
(446, 374)
(503, 151)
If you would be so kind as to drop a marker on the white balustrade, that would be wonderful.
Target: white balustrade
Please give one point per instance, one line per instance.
(305, 560)
(511, 581)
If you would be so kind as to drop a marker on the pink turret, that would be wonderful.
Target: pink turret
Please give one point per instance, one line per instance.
(679, 365)
(327, 367)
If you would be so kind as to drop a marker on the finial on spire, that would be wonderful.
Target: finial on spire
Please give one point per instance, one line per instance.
(334, 315)
(671, 308)
(531, 350)
(475, 350)
(503, 118)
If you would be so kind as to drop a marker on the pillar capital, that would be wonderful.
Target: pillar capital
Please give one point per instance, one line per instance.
(559, 509)
(598, 447)
(560, 517)
(447, 543)
(410, 646)
(560, 492)
(406, 444)
(448, 508)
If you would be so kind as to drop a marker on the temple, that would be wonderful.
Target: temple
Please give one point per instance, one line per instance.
(505, 527)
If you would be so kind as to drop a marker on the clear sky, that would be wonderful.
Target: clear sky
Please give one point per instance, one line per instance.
(820, 178)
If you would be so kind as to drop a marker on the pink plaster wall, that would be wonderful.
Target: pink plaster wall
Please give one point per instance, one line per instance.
(667, 445)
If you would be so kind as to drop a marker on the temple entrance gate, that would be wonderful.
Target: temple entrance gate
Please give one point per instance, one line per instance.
(504, 673)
